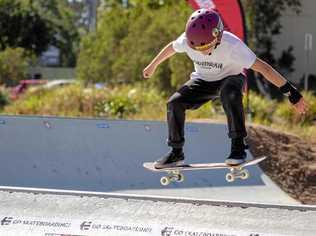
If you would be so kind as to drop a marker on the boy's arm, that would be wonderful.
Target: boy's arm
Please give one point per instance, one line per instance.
(269, 73)
(278, 80)
(163, 55)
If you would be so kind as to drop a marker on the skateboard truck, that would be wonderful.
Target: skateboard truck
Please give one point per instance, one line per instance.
(237, 172)
(173, 176)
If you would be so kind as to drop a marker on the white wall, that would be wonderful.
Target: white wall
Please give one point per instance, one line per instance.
(293, 33)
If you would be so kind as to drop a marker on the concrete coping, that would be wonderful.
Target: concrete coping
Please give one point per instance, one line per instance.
(158, 198)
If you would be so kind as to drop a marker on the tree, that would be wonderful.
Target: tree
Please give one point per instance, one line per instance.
(63, 21)
(35, 25)
(20, 26)
(100, 49)
(127, 39)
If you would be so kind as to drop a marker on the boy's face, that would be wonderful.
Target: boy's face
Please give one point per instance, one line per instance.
(208, 51)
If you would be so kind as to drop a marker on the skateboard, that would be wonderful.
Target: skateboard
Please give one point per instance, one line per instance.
(174, 173)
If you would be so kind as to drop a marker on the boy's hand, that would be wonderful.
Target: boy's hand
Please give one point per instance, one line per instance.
(149, 71)
(301, 107)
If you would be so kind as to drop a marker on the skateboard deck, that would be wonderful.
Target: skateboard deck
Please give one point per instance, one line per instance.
(175, 175)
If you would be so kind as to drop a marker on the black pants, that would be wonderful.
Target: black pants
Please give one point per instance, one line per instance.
(197, 92)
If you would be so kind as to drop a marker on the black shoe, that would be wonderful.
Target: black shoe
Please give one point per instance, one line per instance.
(236, 158)
(172, 159)
(238, 154)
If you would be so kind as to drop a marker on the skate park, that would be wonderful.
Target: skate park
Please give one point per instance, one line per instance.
(63, 176)
(72, 166)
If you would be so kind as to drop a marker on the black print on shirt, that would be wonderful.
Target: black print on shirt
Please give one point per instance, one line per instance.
(209, 65)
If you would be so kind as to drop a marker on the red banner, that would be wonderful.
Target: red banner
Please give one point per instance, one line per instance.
(230, 11)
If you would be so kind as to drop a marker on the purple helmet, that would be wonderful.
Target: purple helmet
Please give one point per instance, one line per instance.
(204, 29)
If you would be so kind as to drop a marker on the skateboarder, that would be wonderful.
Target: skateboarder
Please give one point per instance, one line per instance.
(219, 59)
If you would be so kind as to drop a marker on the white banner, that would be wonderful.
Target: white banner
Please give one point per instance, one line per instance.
(26, 226)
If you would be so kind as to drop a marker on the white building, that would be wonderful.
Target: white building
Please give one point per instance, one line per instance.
(300, 32)
(50, 57)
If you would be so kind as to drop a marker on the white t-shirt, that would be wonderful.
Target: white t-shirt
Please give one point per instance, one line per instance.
(230, 57)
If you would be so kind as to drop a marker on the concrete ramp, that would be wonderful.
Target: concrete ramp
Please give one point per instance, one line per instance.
(40, 214)
(107, 156)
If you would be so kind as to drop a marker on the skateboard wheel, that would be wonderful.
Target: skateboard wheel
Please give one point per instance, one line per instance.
(165, 181)
(180, 178)
(244, 174)
(230, 177)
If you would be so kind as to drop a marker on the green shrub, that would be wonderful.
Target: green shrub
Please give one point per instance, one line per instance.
(133, 101)
(75, 100)
(206, 111)
(4, 97)
(117, 107)
(61, 101)
(13, 66)
(286, 113)
(261, 108)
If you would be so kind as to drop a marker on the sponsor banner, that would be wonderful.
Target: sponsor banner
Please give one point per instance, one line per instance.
(183, 231)
(19, 225)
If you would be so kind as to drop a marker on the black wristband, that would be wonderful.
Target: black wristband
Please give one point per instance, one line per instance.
(289, 90)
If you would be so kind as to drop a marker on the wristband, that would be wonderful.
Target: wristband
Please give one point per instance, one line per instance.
(289, 90)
